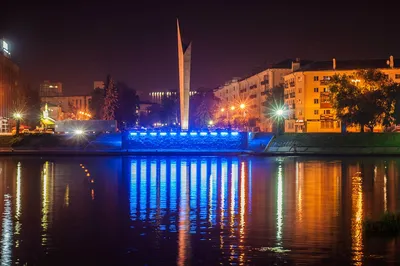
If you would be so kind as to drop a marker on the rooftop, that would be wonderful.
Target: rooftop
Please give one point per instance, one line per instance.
(349, 64)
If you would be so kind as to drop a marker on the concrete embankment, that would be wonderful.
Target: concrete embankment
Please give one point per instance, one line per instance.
(335, 144)
(262, 144)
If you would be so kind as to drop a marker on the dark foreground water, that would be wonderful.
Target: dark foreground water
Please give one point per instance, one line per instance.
(195, 210)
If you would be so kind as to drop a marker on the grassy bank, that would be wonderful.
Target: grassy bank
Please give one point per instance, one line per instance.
(388, 225)
(338, 140)
(49, 141)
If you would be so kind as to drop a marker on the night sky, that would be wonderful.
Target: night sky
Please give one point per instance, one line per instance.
(79, 43)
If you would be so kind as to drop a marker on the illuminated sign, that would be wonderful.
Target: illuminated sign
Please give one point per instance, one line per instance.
(5, 47)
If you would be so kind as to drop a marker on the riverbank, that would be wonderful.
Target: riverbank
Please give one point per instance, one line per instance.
(335, 144)
(64, 152)
(259, 144)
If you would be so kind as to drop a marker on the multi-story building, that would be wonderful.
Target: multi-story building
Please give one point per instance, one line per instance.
(50, 89)
(9, 84)
(98, 84)
(307, 94)
(250, 93)
(73, 107)
(157, 96)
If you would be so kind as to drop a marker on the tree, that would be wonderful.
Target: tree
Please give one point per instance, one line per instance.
(205, 107)
(169, 109)
(128, 103)
(110, 100)
(274, 102)
(153, 116)
(96, 103)
(366, 98)
(26, 101)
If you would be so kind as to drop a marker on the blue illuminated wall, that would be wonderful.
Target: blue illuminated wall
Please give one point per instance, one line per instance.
(196, 141)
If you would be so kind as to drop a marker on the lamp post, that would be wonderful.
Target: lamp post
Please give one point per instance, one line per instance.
(242, 107)
(279, 114)
(17, 117)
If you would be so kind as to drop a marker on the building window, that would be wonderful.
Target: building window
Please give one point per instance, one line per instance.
(300, 112)
(326, 124)
(299, 90)
(397, 76)
(316, 101)
(326, 78)
(315, 89)
(315, 112)
(290, 125)
(326, 89)
(315, 78)
(327, 112)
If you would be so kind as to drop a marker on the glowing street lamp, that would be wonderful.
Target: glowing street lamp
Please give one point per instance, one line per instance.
(233, 108)
(17, 116)
(279, 112)
(242, 106)
(222, 110)
(211, 122)
(279, 115)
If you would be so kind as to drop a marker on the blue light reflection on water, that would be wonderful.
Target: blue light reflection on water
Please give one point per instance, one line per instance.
(156, 184)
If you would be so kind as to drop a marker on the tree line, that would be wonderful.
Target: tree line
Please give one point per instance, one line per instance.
(115, 102)
(366, 99)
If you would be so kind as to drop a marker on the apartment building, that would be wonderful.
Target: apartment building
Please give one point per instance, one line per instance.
(307, 95)
(251, 93)
(50, 89)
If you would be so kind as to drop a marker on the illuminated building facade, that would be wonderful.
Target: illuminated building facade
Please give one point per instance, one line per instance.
(307, 94)
(9, 84)
(252, 92)
(98, 84)
(50, 89)
(184, 61)
(157, 96)
(73, 107)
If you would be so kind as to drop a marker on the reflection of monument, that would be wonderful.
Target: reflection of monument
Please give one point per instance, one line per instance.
(184, 58)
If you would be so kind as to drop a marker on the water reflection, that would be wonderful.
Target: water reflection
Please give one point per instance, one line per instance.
(357, 218)
(6, 235)
(47, 198)
(196, 210)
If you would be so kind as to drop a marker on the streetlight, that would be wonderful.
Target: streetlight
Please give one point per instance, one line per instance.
(242, 106)
(210, 122)
(233, 108)
(17, 116)
(222, 110)
(279, 114)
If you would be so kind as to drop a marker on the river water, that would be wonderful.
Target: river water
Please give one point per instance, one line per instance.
(195, 210)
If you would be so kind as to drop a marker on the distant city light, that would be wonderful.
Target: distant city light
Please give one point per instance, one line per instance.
(242, 106)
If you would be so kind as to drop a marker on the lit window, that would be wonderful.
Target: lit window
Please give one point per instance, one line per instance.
(315, 78)
(316, 101)
(315, 112)
(315, 89)
(397, 76)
